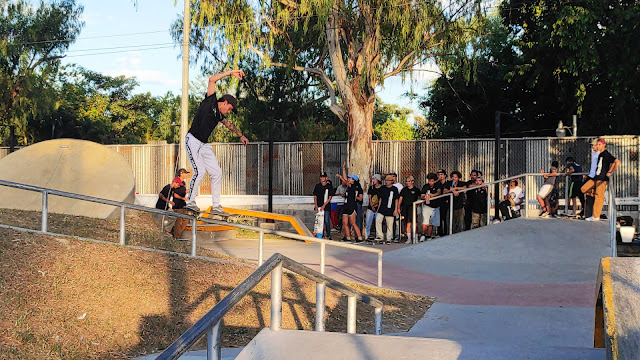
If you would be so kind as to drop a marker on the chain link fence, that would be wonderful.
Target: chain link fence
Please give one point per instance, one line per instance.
(296, 166)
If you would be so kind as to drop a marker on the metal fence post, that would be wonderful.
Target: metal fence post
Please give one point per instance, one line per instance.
(323, 254)
(194, 231)
(214, 350)
(566, 195)
(45, 211)
(260, 247)
(351, 315)
(276, 298)
(451, 214)
(526, 197)
(320, 292)
(378, 321)
(122, 225)
(380, 268)
(414, 238)
(489, 206)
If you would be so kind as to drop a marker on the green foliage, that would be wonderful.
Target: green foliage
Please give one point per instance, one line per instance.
(33, 38)
(390, 122)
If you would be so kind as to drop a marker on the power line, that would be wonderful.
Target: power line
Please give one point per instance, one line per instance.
(120, 51)
(85, 38)
(122, 47)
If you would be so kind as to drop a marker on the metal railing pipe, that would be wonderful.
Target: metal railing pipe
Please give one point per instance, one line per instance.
(489, 205)
(194, 236)
(123, 230)
(323, 254)
(378, 320)
(414, 238)
(45, 211)
(320, 294)
(351, 315)
(380, 269)
(450, 213)
(260, 247)
(214, 348)
(276, 297)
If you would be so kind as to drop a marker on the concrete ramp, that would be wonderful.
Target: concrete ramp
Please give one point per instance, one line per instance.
(308, 345)
(76, 166)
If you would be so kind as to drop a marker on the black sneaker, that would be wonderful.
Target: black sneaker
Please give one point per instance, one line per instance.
(543, 213)
(358, 241)
(344, 238)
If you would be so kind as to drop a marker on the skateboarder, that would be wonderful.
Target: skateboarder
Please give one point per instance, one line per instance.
(210, 112)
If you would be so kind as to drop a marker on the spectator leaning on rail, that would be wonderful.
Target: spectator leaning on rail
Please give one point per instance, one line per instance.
(408, 195)
(575, 183)
(430, 210)
(388, 208)
(322, 194)
(606, 166)
(374, 199)
(588, 201)
(397, 229)
(478, 201)
(545, 190)
(443, 203)
(467, 205)
(454, 186)
(513, 198)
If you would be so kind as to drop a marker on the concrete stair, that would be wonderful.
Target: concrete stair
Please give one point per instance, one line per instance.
(309, 345)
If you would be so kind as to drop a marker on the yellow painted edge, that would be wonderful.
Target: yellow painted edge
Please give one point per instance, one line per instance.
(610, 320)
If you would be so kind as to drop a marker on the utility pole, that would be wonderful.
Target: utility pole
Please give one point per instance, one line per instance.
(184, 104)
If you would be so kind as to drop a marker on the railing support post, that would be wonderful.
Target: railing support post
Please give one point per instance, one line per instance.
(323, 254)
(489, 207)
(380, 269)
(260, 247)
(526, 198)
(45, 211)
(320, 291)
(351, 315)
(378, 321)
(276, 298)
(451, 214)
(214, 350)
(414, 238)
(122, 225)
(194, 232)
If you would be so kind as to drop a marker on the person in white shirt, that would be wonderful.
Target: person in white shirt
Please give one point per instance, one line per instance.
(513, 198)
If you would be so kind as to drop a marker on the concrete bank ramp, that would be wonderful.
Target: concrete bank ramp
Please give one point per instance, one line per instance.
(308, 345)
(76, 166)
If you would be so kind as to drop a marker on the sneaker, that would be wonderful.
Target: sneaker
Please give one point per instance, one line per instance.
(555, 216)
(378, 241)
(192, 207)
(542, 214)
(423, 238)
(344, 238)
(590, 218)
(408, 241)
(358, 241)
(218, 210)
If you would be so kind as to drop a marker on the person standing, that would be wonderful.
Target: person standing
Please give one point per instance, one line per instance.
(408, 196)
(574, 185)
(606, 166)
(430, 210)
(353, 193)
(372, 210)
(397, 226)
(467, 205)
(590, 197)
(388, 208)
(454, 186)
(322, 194)
(443, 203)
(179, 202)
(547, 187)
(211, 111)
(478, 204)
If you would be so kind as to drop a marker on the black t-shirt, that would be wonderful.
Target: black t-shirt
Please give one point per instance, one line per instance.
(478, 200)
(353, 191)
(206, 119)
(443, 202)
(409, 195)
(179, 203)
(605, 159)
(166, 192)
(426, 189)
(375, 197)
(458, 201)
(388, 197)
(576, 168)
(321, 191)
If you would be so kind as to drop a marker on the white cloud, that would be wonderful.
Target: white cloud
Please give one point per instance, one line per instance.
(132, 59)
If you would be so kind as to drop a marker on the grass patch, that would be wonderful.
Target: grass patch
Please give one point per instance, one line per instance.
(70, 299)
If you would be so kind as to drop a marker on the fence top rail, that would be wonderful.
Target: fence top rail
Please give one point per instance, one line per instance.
(184, 216)
(215, 315)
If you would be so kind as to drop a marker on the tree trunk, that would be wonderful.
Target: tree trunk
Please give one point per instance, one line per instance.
(360, 129)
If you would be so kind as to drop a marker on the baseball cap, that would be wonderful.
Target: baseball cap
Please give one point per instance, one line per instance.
(177, 180)
(354, 177)
(602, 140)
(183, 171)
(389, 177)
(377, 177)
(323, 174)
(231, 100)
(441, 171)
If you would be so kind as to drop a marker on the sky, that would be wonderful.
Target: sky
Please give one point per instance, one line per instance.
(121, 39)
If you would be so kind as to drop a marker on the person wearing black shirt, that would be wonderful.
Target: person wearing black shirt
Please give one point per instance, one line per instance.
(467, 205)
(408, 195)
(443, 203)
(388, 208)
(454, 186)
(372, 210)
(607, 165)
(210, 112)
(322, 194)
(353, 194)
(575, 185)
(430, 210)
(478, 204)
(179, 202)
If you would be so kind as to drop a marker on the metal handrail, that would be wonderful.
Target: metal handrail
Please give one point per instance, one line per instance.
(194, 219)
(613, 218)
(210, 322)
(488, 185)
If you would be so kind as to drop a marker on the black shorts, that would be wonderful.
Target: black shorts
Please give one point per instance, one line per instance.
(407, 213)
(574, 189)
(349, 209)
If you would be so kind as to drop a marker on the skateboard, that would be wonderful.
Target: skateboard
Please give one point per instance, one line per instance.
(208, 215)
(318, 226)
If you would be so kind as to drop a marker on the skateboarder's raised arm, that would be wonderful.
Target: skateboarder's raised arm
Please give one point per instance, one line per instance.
(211, 87)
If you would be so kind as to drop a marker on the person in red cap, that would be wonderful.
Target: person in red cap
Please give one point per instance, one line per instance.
(597, 184)
(210, 112)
